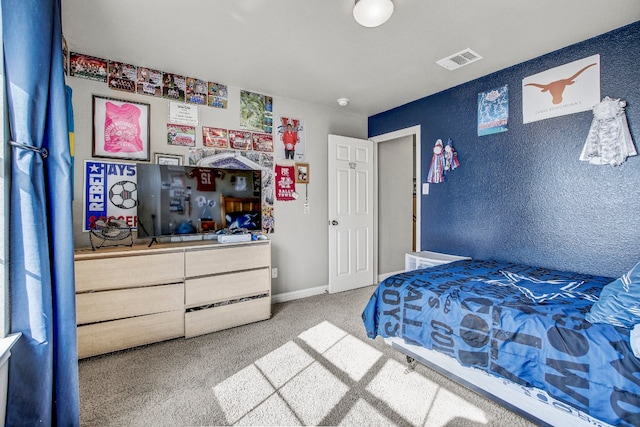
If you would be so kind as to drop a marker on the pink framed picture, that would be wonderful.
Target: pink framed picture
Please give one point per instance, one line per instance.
(120, 129)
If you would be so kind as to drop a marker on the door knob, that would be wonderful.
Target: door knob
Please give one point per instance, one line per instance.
(334, 222)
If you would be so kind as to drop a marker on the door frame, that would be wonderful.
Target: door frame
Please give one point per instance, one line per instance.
(414, 131)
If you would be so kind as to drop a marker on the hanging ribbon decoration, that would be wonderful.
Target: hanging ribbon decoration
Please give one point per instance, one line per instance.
(444, 159)
(451, 157)
(436, 170)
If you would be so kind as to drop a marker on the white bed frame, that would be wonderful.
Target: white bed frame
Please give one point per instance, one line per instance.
(531, 403)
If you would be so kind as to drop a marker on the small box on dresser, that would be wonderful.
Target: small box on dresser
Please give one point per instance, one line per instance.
(425, 259)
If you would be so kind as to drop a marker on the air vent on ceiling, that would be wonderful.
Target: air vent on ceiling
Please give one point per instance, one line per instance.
(459, 59)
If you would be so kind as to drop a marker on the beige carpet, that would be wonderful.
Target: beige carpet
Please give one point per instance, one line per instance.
(310, 364)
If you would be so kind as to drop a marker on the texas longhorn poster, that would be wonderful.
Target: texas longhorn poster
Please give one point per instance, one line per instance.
(562, 90)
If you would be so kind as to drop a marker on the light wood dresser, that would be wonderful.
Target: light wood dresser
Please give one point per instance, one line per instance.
(126, 297)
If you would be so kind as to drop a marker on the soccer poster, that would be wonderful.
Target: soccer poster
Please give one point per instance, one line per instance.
(110, 190)
(493, 111)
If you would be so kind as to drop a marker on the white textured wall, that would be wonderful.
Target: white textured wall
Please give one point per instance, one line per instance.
(395, 203)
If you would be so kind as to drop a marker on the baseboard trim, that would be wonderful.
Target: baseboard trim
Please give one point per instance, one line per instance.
(304, 293)
(381, 277)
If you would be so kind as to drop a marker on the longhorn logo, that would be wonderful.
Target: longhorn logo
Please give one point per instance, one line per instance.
(556, 88)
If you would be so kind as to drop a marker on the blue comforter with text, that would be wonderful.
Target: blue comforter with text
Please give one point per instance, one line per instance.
(522, 323)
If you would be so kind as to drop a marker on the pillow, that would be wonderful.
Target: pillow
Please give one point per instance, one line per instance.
(619, 302)
(634, 340)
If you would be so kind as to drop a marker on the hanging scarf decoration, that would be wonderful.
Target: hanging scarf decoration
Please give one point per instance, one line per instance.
(436, 170)
(285, 183)
(450, 156)
(609, 140)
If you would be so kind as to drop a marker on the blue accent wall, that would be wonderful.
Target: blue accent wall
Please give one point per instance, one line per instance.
(523, 195)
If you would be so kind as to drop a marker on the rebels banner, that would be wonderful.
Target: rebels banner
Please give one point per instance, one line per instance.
(111, 190)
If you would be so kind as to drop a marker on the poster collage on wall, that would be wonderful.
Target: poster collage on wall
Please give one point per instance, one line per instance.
(146, 81)
(261, 139)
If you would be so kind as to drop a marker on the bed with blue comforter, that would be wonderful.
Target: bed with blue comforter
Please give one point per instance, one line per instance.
(525, 324)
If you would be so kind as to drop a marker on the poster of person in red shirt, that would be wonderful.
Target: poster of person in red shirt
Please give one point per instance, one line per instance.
(291, 144)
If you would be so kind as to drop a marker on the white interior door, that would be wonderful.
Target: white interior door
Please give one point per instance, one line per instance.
(351, 215)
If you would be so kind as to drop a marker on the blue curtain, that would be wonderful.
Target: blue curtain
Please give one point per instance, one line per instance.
(43, 368)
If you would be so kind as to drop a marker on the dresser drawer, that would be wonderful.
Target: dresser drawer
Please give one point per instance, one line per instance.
(204, 321)
(223, 287)
(125, 272)
(226, 259)
(105, 337)
(94, 307)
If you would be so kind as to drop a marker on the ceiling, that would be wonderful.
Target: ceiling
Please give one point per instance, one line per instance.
(314, 51)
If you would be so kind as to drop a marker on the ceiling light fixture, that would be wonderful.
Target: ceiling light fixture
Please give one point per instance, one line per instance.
(343, 102)
(372, 13)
